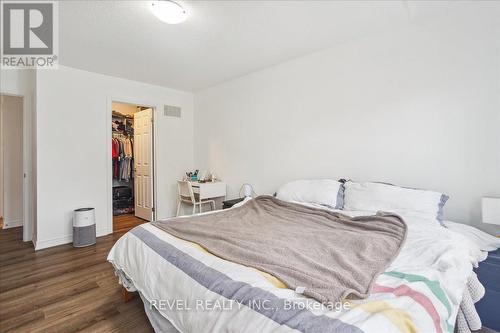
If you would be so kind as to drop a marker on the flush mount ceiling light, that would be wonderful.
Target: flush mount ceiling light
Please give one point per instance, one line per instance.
(168, 11)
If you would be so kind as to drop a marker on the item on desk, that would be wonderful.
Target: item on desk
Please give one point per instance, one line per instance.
(202, 175)
(192, 176)
(213, 177)
(247, 190)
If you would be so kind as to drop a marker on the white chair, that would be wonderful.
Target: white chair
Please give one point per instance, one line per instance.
(187, 195)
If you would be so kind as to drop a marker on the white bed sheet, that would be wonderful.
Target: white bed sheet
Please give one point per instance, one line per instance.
(439, 257)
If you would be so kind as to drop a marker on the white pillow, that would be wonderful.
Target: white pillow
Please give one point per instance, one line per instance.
(401, 200)
(327, 192)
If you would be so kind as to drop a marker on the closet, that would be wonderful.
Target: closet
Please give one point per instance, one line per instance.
(122, 147)
(132, 164)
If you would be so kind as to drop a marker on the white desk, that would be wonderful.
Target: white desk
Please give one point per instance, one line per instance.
(209, 190)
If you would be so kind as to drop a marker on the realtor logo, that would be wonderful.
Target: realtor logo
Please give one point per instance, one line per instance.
(28, 34)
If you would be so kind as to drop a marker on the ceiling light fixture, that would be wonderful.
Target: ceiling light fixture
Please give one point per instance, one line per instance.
(168, 11)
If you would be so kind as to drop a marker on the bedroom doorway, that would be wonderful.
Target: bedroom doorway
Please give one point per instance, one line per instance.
(132, 158)
(11, 161)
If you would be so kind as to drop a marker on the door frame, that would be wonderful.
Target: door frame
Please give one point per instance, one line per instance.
(109, 163)
(28, 116)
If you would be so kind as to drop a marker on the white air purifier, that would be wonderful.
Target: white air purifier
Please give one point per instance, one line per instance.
(84, 227)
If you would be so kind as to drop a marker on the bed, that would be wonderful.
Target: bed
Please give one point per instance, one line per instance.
(185, 288)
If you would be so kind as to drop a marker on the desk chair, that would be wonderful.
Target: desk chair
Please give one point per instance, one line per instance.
(187, 195)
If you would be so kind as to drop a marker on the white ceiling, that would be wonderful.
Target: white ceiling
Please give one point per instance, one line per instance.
(220, 39)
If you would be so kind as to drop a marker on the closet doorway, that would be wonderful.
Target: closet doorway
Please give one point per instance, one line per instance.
(132, 139)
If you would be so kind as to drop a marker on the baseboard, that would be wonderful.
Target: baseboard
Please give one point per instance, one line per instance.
(46, 243)
(103, 232)
(12, 223)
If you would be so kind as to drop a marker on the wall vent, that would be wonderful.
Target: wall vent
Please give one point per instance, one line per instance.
(171, 111)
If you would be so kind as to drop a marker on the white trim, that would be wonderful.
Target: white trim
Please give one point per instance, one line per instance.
(46, 243)
(109, 163)
(12, 223)
(27, 167)
(1, 160)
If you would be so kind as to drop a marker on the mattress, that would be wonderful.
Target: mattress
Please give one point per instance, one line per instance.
(420, 291)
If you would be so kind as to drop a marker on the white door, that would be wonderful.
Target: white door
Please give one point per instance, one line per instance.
(143, 164)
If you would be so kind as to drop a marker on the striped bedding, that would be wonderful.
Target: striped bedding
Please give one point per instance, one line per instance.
(421, 290)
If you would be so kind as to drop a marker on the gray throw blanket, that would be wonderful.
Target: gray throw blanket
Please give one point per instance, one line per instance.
(325, 255)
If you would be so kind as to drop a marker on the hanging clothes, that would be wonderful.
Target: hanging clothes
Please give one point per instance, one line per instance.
(122, 154)
(128, 147)
(123, 157)
(114, 154)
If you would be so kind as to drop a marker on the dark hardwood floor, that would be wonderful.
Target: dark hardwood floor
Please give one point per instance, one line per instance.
(125, 222)
(63, 289)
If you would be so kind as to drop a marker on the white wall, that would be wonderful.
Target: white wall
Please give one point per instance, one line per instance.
(418, 107)
(73, 114)
(11, 132)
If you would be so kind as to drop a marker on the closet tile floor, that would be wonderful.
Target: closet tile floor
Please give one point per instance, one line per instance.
(63, 289)
(125, 222)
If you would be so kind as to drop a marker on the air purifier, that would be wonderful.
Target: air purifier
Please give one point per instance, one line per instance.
(84, 227)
